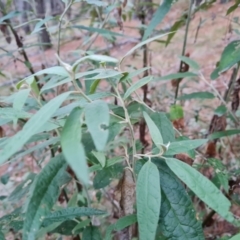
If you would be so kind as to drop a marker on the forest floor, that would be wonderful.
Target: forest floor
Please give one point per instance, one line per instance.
(216, 31)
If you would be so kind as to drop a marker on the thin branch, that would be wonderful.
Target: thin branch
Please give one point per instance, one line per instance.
(60, 25)
(184, 47)
(220, 97)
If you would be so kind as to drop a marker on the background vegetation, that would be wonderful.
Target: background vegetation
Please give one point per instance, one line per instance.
(119, 119)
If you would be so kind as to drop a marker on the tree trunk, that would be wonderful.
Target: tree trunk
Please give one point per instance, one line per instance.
(44, 36)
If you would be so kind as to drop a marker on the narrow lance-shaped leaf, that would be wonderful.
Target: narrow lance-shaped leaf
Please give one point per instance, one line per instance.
(97, 120)
(148, 79)
(202, 187)
(57, 70)
(154, 131)
(164, 125)
(226, 133)
(71, 213)
(199, 95)
(120, 225)
(184, 146)
(177, 217)
(20, 98)
(91, 233)
(158, 17)
(194, 65)
(100, 157)
(1, 235)
(230, 56)
(148, 201)
(143, 43)
(95, 57)
(43, 194)
(137, 85)
(72, 147)
(174, 28)
(31, 127)
(233, 7)
(80, 225)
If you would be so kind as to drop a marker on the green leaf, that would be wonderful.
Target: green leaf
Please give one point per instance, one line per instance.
(174, 28)
(10, 15)
(65, 228)
(142, 44)
(154, 131)
(70, 213)
(200, 95)
(15, 214)
(109, 163)
(158, 16)
(94, 86)
(40, 24)
(32, 127)
(164, 125)
(233, 7)
(194, 65)
(91, 233)
(100, 157)
(21, 189)
(226, 133)
(97, 120)
(43, 231)
(101, 31)
(95, 57)
(184, 146)
(230, 56)
(148, 79)
(20, 98)
(39, 146)
(105, 73)
(137, 85)
(44, 193)
(148, 201)
(11, 113)
(236, 237)
(57, 70)
(176, 112)
(97, 3)
(177, 216)
(81, 225)
(221, 110)
(72, 147)
(120, 224)
(1, 235)
(102, 179)
(176, 76)
(68, 108)
(202, 187)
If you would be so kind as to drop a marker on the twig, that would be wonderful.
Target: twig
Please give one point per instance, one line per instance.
(208, 218)
(142, 124)
(8, 52)
(60, 25)
(220, 97)
(184, 47)
(197, 31)
(93, 38)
